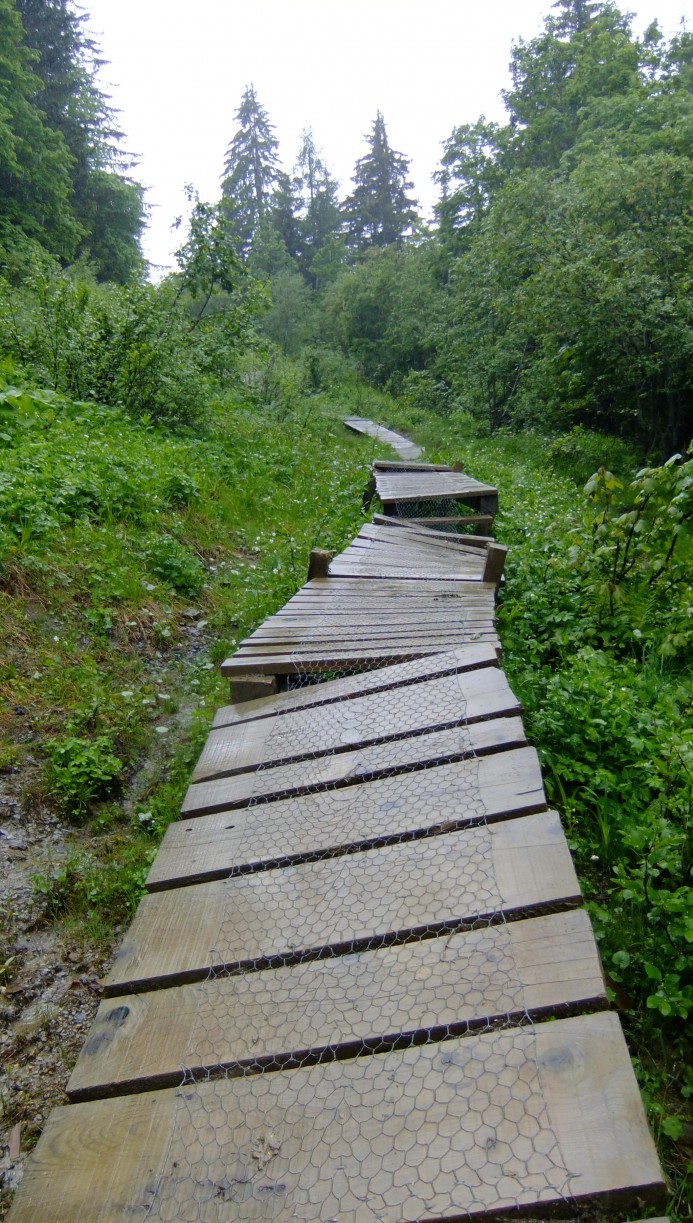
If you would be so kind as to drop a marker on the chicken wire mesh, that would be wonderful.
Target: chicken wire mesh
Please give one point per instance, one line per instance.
(362, 1048)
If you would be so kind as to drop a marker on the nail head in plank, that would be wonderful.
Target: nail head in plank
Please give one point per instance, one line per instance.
(427, 1132)
(345, 903)
(541, 965)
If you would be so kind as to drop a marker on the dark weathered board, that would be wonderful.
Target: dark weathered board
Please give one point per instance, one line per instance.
(444, 986)
(397, 465)
(426, 705)
(402, 445)
(347, 902)
(464, 658)
(213, 846)
(532, 1119)
(393, 486)
(353, 767)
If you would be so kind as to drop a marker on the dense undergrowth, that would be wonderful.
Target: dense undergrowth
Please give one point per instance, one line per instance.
(596, 623)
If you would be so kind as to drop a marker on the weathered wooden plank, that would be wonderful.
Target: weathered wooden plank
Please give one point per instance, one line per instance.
(346, 903)
(416, 525)
(394, 486)
(453, 983)
(293, 662)
(424, 705)
(394, 465)
(402, 445)
(346, 818)
(317, 629)
(539, 1120)
(464, 658)
(351, 768)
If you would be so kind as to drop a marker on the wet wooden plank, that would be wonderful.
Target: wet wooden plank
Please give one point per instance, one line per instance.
(394, 486)
(402, 445)
(445, 985)
(464, 658)
(349, 817)
(539, 1119)
(346, 903)
(353, 767)
(424, 705)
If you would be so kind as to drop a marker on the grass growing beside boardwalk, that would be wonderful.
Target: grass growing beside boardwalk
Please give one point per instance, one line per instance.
(132, 559)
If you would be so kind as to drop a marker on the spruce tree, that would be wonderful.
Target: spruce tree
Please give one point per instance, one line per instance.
(320, 216)
(379, 212)
(251, 170)
(106, 204)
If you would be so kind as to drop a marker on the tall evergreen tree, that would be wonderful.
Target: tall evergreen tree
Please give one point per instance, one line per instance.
(319, 203)
(35, 165)
(251, 169)
(379, 212)
(106, 203)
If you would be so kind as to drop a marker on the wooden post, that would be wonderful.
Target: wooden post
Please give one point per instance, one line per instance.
(369, 493)
(495, 561)
(319, 564)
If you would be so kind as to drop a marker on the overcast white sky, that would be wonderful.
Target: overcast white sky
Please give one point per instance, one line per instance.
(177, 70)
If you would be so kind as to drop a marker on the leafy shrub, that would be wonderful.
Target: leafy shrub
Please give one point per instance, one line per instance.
(175, 565)
(81, 770)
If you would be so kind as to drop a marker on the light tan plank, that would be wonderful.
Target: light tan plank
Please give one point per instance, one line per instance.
(539, 1119)
(213, 846)
(352, 768)
(426, 705)
(464, 658)
(346, 903)
(454, 982)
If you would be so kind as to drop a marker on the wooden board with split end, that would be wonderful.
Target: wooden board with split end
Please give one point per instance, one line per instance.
(465, 658)
(341, 904)
(347, 818)
(351, 768)
(324, 1008)
(535, 1120)
(426, 705)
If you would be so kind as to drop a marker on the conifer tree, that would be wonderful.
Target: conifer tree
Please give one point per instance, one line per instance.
(106, 204)
(379, 212)
(320, 217)
(251, 170)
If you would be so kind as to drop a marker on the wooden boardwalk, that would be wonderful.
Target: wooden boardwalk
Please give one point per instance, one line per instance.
(332, 1001)
(405, 448)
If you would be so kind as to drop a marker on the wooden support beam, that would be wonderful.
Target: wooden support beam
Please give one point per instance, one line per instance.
(253, 688)
(495, 562)
(319, 564)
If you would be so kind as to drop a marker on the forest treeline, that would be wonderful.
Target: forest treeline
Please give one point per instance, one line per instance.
(552, 289)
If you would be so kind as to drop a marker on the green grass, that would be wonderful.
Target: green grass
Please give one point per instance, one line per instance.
(133, 560)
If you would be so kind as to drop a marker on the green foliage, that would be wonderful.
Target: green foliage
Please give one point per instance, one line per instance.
(250, 170)
(160, 351)
(175, 565)
(379, 212)
(79, 771)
